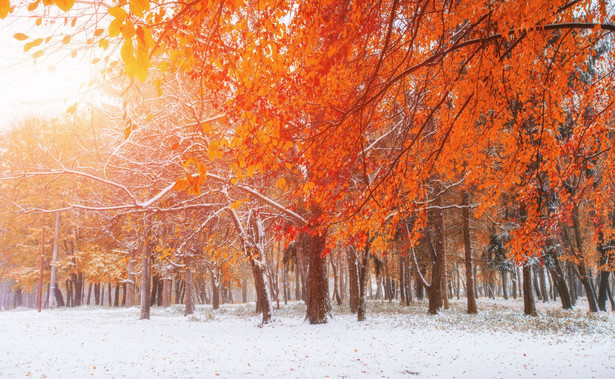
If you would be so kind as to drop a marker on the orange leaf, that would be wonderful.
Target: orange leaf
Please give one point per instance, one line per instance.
(20, 36)
(5, 8)
(65, 5)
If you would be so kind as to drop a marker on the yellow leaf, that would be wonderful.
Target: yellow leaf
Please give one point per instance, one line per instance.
(127, 54)
(39, 21)
(38, 54)
(65, 5)
(66, 39)
(73, 53)
(144, 37)
(250, 171)
(20, 36)
(236, 204)
(118, 13)
(72, 108)
(138, 6)
(104, 44)
(114, 27)
(98, 32)
(128, 29)
(33, 6)
(5, 8)
(281, 183)
(32, 44)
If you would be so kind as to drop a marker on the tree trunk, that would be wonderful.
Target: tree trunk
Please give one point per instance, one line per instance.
(603, 274)
(145, 272)
(53, 300)
(589, 290)
(130, 281)
(166, 288)
(154, 293)
(435, 236)
(557, 274)
(407, 280)
(215, 291)
(336, 292)
(363, 274)
(116, 299)
(504, 284)
(571, 285)
(529, 305)
(188, 298)
(540, 272)
(467, 244)
(318, 305)
(353, 279)
(97, 294)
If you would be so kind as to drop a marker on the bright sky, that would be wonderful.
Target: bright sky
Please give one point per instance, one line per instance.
(43, 88)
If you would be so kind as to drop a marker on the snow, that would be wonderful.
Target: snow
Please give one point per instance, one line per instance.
(395, 342)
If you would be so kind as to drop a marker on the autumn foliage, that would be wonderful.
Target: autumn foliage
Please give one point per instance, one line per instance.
(362, 124)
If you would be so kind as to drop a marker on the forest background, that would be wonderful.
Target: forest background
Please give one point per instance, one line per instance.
(315, 150)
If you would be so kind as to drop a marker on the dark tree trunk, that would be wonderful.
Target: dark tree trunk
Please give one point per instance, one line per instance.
(336, 292)
(166, 288)
(513, 279)
(145, 272)
(557, 274)
(116, 299)
(540, 272)
(363, 274)
(244, 290)
(215, 292)
(435, 237)
(318, 305)
(130, 280)
(418, 287)
(589, 289)
(353, 279)
(504, 284)
(154, 298)
(97, 294)
(529, 305)
(407, 280)
(467, 244)
(263, 300)
(189, 283)
(89, 294)
(109, 294)
(603, 279)
(571, 285)
(536, 284)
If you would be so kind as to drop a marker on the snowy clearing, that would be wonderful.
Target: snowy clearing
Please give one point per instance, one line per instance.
(395, 342)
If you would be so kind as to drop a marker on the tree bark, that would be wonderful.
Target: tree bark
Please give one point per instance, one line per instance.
(145, 271)
(130, 281)
(363, 274)
(215, 290)
(189, 284)
(318, 304)
(589, 289)
(529, 304)
(467, 244)
(166, 288)
(336, 292)
(435, 235)
(353, 279)
(53, 300)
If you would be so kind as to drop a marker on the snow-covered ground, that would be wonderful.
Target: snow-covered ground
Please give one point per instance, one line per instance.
(395, 342)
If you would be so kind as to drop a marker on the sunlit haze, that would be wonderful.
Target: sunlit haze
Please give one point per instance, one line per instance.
(43, 87)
